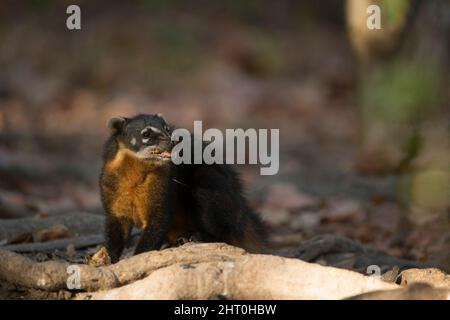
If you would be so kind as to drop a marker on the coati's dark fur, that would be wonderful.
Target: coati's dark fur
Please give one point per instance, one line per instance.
(140, 186)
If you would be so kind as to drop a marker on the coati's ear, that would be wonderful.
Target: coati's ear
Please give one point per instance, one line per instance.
(161, 116)
(116, 124)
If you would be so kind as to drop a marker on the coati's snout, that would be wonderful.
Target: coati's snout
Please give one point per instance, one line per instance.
(146, 136)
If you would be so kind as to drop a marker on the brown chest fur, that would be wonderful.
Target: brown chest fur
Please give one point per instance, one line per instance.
(133, 189)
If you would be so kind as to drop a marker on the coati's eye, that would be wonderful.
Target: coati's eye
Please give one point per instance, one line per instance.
(146, 134)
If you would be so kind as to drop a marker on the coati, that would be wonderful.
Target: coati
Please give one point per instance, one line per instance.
(140, 186)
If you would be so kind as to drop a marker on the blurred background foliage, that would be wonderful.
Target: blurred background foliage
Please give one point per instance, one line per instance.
(402, 88)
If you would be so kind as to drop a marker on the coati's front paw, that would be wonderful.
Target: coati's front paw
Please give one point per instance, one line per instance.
(190, 237)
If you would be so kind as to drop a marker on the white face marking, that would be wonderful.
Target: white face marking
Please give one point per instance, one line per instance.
(145, 140)
(150, 128)
(133, 141)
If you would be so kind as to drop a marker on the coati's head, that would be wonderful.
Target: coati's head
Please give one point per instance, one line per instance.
(147, 137)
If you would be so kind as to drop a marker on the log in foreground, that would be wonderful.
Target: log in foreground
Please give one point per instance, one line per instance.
(194, 271)
(248, 277)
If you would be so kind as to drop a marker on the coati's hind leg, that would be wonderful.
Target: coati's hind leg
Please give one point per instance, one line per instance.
(227, 218)
(117, 232)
